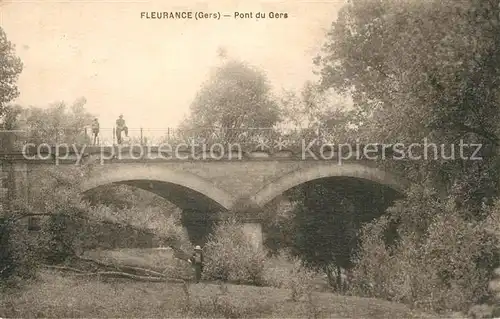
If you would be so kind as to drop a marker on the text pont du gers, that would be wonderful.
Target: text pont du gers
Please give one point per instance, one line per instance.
(260, 15)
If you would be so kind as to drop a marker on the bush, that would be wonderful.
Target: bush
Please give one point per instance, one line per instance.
(446, 268)
(277, 270)
(136, 227)
(65, 233)
(373, 262)
(231, 257)
(20, 251)
(63, 236)
(285, 271)
(18, 258)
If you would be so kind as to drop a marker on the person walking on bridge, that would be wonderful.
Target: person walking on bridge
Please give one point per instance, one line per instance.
(197, 261)
(121, 127)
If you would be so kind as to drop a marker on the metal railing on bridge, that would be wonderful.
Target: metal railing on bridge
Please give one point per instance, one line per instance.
(157, 136)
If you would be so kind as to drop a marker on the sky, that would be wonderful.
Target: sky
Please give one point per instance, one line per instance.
(150, 70)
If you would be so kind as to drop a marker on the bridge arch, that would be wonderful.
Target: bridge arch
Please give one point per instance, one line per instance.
(121, 174)
(304, 175)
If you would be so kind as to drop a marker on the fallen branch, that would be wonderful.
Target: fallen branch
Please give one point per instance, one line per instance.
(63, 268)
(79, 272)
(130, 276)
(147, 271)
(121, 267)
(134, 277)
(152, 275)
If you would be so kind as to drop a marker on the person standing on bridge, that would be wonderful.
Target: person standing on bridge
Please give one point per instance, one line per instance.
(95, 130)
(121, 127)
(197, 261)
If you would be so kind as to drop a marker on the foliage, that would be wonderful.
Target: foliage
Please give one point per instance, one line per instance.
(10, 68)
(66, 234)
(19, 253)
(126, 197)
(289, 272)
(416, 212)
(235, 97)
(333, 220)
(59, 123)
(415, 70)
(373, 262)
(231, 257)
(447, 266)
(318, 111)
(53, 194)
(320, 220)
(70, 225)
(10, 116)
(278, 217)
(429, 61)
(423, 70)
(162, 230)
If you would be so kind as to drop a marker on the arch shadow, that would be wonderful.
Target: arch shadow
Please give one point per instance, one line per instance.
(304, 175)
(122, 174)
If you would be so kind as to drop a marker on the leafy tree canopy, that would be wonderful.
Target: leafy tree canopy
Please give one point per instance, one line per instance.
(423, 69)
(235, 96)
(418, 68)
(10, 68)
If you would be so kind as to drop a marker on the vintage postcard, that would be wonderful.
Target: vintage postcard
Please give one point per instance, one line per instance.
(250, 159)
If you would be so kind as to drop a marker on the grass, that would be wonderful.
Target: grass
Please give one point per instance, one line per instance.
(57, 295)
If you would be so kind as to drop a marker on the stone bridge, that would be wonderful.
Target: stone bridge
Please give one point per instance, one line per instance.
(204, 186)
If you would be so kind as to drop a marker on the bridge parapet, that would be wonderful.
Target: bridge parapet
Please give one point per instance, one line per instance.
(123, 153)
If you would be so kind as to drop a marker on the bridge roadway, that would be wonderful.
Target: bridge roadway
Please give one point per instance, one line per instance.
(241, 184)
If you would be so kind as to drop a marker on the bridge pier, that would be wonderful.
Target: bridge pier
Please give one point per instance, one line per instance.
(201, 224)
(252, 225)
(253, 232)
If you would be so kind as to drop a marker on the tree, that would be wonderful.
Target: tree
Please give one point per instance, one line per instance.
(67, 223)
(427, 69)
(447, 269)
(58, 123)
(325, 227)
(235, 97)
(317, 111)
(423, 70)
(10, 68)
